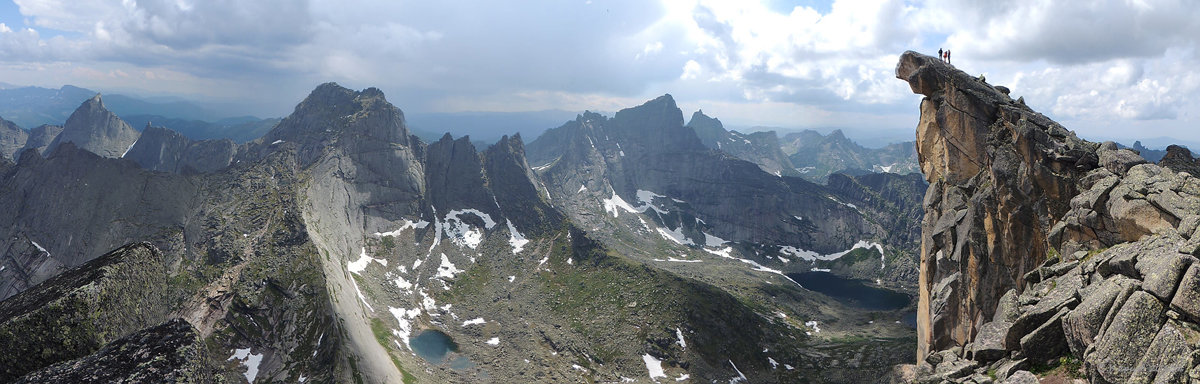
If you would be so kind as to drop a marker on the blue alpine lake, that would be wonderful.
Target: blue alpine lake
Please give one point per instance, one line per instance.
(854, 292)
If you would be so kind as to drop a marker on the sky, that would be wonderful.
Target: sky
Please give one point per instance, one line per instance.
(1108, 69)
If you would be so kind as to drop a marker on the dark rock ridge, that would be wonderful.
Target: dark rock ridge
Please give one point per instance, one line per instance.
(67, 209)
(1179, 159)
(161, 149)
(817, 156)
(1038, 245)
(77, 312)
(172, 352)
(12, 139)
(761, 148)
(95, 129)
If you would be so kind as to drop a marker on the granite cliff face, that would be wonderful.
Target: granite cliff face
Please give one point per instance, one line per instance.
(1039, 247)
(95, 129)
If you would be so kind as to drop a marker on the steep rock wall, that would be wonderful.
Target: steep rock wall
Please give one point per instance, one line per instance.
(1000, 176)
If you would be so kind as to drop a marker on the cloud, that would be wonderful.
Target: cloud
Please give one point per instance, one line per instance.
(1112, 60)
(1064, 32)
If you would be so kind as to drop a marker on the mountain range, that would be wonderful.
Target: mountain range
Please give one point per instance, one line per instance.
(335, 245)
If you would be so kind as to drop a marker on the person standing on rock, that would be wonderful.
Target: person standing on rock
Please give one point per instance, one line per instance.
(947, 56)
(941, 55)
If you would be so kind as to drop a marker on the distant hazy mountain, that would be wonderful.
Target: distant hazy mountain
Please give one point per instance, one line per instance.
(33, 106)
(761, 148)
(485, 127)
(816, 156)
(238, 129)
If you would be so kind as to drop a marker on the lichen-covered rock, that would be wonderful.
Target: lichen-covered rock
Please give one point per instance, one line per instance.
(1021, 377)
(77, 312)
(1125, 342)
(1083, 324)
(171, 352)
(989, 343)
(1162, 272)
(1161, 356)
(1046, 342)
(1187, 296)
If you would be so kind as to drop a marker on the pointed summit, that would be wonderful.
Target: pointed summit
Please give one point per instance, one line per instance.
(94, 128)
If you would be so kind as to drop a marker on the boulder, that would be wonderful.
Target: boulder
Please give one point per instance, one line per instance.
(1163, 352)
(1007, 309)
(1118, 160)
(1125, 342)
(1187, 296)
(1021, 377)
(1083, 324)
(989, 342)
(1046, 342)
(1161, 273)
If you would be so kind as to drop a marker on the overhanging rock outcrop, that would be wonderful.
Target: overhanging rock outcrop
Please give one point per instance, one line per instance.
(1037, 244)
(1000, 176)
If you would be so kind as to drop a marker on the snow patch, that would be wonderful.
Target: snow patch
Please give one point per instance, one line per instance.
(404, 317)
(581, 189)
(815, 269)
(616, 202)
(675, 235)
(493, 341)
(447, 270)
(461, 233)
(249, 360)
(420, 224)
(683, 377)
(654, 366)
(789, 367)
(361, 296)
(272, 143)
(814, 325)
(515, 239)
(512, 278)
(774, 364)
(131, 147)
(39, 247)
(474, 321)
(713, 241)
(740, 377)
(360, 265)
(679, 334)
(813, 256)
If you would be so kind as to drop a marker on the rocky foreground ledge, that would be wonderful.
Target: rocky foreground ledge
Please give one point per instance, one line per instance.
(1039, 247)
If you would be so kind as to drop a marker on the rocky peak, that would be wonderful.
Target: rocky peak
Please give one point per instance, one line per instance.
(1180, 159)
(95, 129)
(1001, 175)
(334, 116)
(454, 176)
(516, 187)
(1036, 244)
(40, 137)
(710, 130)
